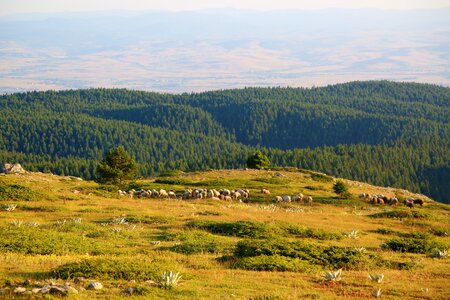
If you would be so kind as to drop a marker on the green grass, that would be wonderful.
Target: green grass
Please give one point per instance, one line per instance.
(17, 192)
(223, 249)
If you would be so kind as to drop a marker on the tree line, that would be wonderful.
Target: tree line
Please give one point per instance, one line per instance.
(385, 133)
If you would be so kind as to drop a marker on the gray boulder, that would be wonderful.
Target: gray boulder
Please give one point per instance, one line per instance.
(95, 286)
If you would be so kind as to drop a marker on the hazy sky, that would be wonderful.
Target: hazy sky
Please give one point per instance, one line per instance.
(38, 6)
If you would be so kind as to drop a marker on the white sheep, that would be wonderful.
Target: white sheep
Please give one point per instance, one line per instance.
(286, 198)
(298, 198)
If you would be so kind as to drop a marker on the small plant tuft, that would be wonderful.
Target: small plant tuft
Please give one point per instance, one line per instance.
(333, 276)
(378, 278)
(169, 280)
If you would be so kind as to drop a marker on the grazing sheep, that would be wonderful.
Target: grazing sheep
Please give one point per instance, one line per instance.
(244, 193)
(187, 194)
(362, 196)
(393, 201)
(298, 198)
(171, 194)
(380, 200)
(225, 192)
(163, 194)
(286, 198)
(309, 200)
(215, 198)
(278, 199)
(418, 201)
(236, 195)
(228, 198)
(409, 202)
(265, 191)
(155, 193)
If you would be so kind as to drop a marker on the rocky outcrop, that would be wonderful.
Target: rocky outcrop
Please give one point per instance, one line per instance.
(13, 169)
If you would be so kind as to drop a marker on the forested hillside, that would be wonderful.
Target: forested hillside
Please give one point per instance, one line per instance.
(382, 132)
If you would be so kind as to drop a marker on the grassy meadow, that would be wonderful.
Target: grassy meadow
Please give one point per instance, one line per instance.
(65, 230)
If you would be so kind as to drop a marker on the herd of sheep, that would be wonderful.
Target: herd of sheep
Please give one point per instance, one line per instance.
(380, 199)
(242, 194)
(213, 194)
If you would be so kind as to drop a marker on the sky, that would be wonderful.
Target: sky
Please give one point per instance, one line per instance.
(8, 7)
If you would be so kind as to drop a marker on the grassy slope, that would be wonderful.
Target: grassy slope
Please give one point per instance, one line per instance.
(53, 198)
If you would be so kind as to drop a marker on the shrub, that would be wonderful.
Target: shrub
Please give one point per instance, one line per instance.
(239, 228)
(412, 245)
(321, 177)
(18, 192)
(29, 240)
(341, 189)
(257, 160)
(169, 280)
(332, 256)
(112, 268)
(384, 231)
(153, 220)
(193, 242)
(318, 234)
(274, 263)
(401, 214)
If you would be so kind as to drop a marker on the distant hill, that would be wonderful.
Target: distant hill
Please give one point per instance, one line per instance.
(385, 133)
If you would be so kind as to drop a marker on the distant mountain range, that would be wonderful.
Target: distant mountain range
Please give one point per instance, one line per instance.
(207, 50)
(385, 133)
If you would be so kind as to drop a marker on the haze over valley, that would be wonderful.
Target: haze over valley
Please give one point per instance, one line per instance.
(216, 49)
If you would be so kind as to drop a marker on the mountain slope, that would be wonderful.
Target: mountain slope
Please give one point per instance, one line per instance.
(382, 132)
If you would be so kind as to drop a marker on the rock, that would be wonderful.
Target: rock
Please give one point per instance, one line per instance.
(128, 291)
(13, 169)
(19, 290)
(94, 286)
(36, 290)
(78, 279)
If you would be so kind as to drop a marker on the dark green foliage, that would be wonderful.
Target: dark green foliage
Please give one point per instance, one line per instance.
(341, 188)
(32, 240)
(319, 234)
(274, 263)
(321, 177)
(332, 256)
(111, 268)
(116, 166)
(257, 160)
(152, 220)
(440, 231)
(239, 228)
(412, 245)
(385, 133)
(402, 214)
(18, 193)
(384, 231)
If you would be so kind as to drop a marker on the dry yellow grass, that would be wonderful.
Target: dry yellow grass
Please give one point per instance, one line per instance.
(205, 275)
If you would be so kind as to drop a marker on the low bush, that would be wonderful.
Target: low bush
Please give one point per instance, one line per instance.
(401, 214)
(240, 228)
(302, 232)
(112, 268)
(440, 231)
(42, 208)
(385, 231)
(274, 263)
(153, 220)
(333, 257)
(19, 193)
(412, 245)
(321, 177)
(31, 240)
(193, 242)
